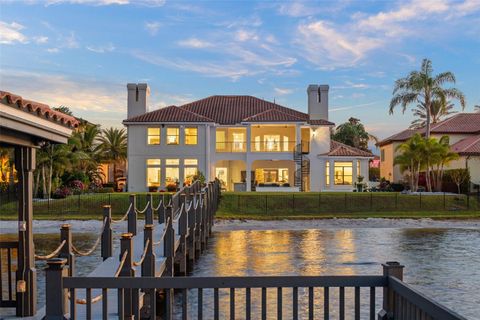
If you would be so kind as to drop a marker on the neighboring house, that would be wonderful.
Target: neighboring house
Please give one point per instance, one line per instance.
(463, 130)
(246, 142)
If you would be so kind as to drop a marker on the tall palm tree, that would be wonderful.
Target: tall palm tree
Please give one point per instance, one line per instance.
(424, 87)
(438, 112)
(86, 149)
(113, 144)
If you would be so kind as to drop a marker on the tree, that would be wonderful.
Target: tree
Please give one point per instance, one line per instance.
(438, 112)
(477, 108)
(422, 87)
(113, 144)
(410, 158)
(442, 157)
(64, 109)
(86, 151)
(459, 176)
(353, 133)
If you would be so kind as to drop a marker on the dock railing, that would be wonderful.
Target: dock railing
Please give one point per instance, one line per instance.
(399, 300)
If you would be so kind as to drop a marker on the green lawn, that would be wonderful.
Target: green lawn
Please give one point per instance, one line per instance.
(258, 205)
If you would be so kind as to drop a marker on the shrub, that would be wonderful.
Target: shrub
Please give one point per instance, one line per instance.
(106, 190)
(76, 186)
(62, 193)
(109, 185)
(95, 186)
(397, 187)
(171, 187)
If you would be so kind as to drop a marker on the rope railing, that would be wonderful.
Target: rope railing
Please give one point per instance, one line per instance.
(144, 254)
(144, 209)
(178, 213)
(53, 254)
(95, 245)
(158, 207)
(163, 234)
(120, 266)
(125, 216)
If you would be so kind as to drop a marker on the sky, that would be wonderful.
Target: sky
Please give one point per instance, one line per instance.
(82, 53)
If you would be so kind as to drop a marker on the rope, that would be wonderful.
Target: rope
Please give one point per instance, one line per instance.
(120, 266)
(162, 236)
(53, 254)
(145, 209)
(95, 245)
(158, 207)
(144, 254)
(124, 217)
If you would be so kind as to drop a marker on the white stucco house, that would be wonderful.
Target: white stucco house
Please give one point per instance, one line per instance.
(246, 142)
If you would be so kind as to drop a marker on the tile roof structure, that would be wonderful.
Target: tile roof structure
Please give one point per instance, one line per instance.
(228, 110)
(39, 109)
(170, 114)
(338, 149)
(467, 147)
(458, 123)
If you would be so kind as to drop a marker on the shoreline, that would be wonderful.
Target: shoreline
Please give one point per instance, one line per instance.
(53, 226)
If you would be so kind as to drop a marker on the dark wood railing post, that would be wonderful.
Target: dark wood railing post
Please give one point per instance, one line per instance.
(67, 251)
(168, 242)
(148, 265)
(107, 238)
(57, 299)
(161, 211)
(132, 215)
(149, 211)
(130, 296)
(390, 269)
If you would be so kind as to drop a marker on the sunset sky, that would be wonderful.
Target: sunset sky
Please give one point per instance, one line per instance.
(82, 53)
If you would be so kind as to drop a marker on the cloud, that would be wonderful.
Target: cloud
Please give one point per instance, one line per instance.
(10, 33)
(53, 50)
(40, 39)
(152, 27)
(245, 35)
(194, 43)
(146, 3)
(283, 91)
(101, 49)
(325, 45)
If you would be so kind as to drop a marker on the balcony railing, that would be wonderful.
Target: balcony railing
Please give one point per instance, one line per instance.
(256, 146)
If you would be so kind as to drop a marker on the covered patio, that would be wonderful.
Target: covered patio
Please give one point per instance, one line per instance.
(25, 126)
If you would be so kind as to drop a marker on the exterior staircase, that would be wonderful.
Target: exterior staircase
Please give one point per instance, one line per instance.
(300, 158)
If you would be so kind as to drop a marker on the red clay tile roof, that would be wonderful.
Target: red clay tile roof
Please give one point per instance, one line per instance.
(272, 115)
(233, 110)
(40, 109)
(170, 114)
(320, 122)
(467, 147)
(338, 149)
(459, 123)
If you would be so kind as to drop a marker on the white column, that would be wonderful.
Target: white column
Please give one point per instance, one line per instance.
(298, 134)
(248, 176)
(354, 172)
(332, 173)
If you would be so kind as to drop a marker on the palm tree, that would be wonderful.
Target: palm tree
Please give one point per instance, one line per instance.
(438, 112)
(442, 157)
(424, 88)
(113, 144)
(86, 152)
(353, 133)
(410, 158)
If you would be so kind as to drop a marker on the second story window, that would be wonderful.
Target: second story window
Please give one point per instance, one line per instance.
(153, 136)
(191, 136)
(173, 135)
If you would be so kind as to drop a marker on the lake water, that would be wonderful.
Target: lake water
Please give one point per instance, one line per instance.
(441, 261)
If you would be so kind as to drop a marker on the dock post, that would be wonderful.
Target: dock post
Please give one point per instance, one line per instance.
(390, 269)
(130, 296)
(57, 300)
(191, 233)
(181, 254)
(66, 251)
(168, 242)
(198, 229)
(132, 215)
(107, 238)
(148, 265)
(205, 221)
(149, 211)
(161, 211)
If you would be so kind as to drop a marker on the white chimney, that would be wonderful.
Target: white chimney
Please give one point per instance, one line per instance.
(137, 99)
(318, 101)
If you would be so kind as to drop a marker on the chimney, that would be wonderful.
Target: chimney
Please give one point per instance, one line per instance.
(318, 101)
(137, 99)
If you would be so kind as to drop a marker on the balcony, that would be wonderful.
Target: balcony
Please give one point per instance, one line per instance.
(256, 146)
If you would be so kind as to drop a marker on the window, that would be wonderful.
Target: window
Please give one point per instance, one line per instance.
(327, 173)
(283, 175)
(238, 142)
(272, 142)
(173, 135)
(153, 172)
(172, 162)
(343, 173)
(189, 173)
(153, 135)
(191, 136)
(220, 138)
(382, 155)
(171, 175)
(190, 162)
